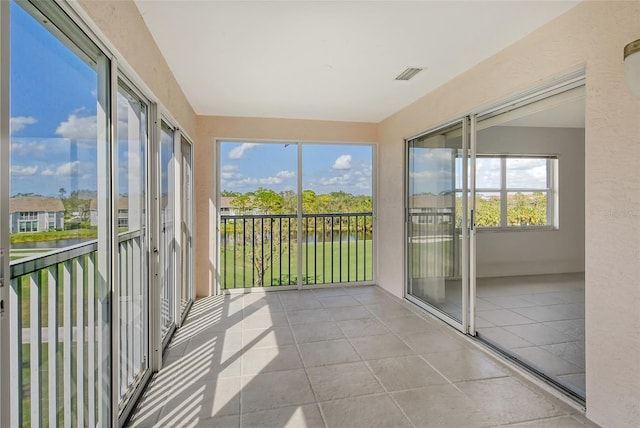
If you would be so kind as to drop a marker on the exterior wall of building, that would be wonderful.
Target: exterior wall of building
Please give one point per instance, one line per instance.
(591, 35)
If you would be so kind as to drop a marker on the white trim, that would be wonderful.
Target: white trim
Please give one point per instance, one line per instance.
(473, 141)
(5, 312)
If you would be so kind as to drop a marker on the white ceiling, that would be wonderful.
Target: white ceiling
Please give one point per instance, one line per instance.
(331, 60)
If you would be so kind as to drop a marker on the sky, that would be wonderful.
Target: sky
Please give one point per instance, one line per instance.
(326, 168)
(53, 112)
(438, 170)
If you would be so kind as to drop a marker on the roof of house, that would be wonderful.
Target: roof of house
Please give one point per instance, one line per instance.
(123, 203)
(35, 204)
(431, 201)
(225, 201)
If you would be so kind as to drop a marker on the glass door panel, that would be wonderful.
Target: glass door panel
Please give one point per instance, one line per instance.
(337, 214)
(436, 221)
(167, 234)
(530, 241)
(132, 240)
(186, 269)
(258, 214)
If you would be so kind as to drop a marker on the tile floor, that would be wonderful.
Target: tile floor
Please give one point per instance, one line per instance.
(539, 319)
(342, 357)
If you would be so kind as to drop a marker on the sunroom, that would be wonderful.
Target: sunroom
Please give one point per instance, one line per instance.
(319, 213)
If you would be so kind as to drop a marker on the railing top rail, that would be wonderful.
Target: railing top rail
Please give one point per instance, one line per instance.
(35, 263)
(27, 265)
(306, 215)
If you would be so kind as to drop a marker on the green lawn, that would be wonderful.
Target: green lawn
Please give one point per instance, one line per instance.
(318, 263)
(16, 238)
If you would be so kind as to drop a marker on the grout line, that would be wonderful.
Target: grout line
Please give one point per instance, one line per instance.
(306, 373)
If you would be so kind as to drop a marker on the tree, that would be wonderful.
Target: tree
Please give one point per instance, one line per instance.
(242, 203)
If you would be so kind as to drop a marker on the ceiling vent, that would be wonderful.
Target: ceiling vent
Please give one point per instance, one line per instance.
(409, 73)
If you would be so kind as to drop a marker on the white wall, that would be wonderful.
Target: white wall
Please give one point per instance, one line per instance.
(505, 253)
(592, 36)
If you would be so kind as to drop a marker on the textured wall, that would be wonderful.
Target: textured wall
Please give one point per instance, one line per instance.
(121, 23)
(591, 35)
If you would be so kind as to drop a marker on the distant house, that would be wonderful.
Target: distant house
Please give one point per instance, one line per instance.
(227, 209)
(123, 212)
(225, 206)
(432, 209)
(35, 214)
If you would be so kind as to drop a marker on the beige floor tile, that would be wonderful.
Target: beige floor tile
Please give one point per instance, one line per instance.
(376, 347)
(231, 421)
(201, 400)
(508, 400)
(441, 406)
(465, 364)
(434, 340)
(261, 320)
(342, 381)
(329, 352)
(389, 310)
(307, 316)
(502, 317)
(277, 389)
(316, 332)
(362, 327)
(266, 338)
(370, 411)
(338, 301)
(303, 416)
(263, 360)
(407, 372)
(349, 313)
(408, 324)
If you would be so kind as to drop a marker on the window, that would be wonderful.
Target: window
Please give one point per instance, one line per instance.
(28, 221)
(515, 191)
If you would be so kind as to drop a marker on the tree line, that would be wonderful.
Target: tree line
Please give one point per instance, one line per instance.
(268, 201)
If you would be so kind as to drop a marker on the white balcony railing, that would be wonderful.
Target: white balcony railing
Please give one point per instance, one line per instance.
(60, 329)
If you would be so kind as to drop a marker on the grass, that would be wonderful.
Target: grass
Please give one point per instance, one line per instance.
(17, 238)
(318, 263)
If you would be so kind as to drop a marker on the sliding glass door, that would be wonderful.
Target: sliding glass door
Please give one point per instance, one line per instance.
(437, 233)
(295, 214)
(495, 229)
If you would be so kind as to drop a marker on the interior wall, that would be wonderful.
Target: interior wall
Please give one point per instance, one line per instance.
(590, 35)
(214, 128)
(506, 253)
(122, 27)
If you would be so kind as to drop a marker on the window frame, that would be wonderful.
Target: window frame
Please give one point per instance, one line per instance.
(551, 191)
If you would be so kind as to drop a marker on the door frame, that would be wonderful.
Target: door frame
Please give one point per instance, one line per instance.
(463, 324)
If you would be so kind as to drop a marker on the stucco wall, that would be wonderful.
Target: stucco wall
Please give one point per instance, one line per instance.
(591, 35)
(213, 128)
(122, 25)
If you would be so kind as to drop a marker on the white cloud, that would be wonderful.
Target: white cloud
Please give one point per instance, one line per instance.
(78, 128)
(239, 151)
(286, 174)
(232, 178)
(63, 170)
(18, 123)
(23, 171)
(342, 162)
(27, 148)
(340, 180)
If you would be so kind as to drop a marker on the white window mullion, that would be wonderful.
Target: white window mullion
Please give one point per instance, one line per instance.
(503, 192)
